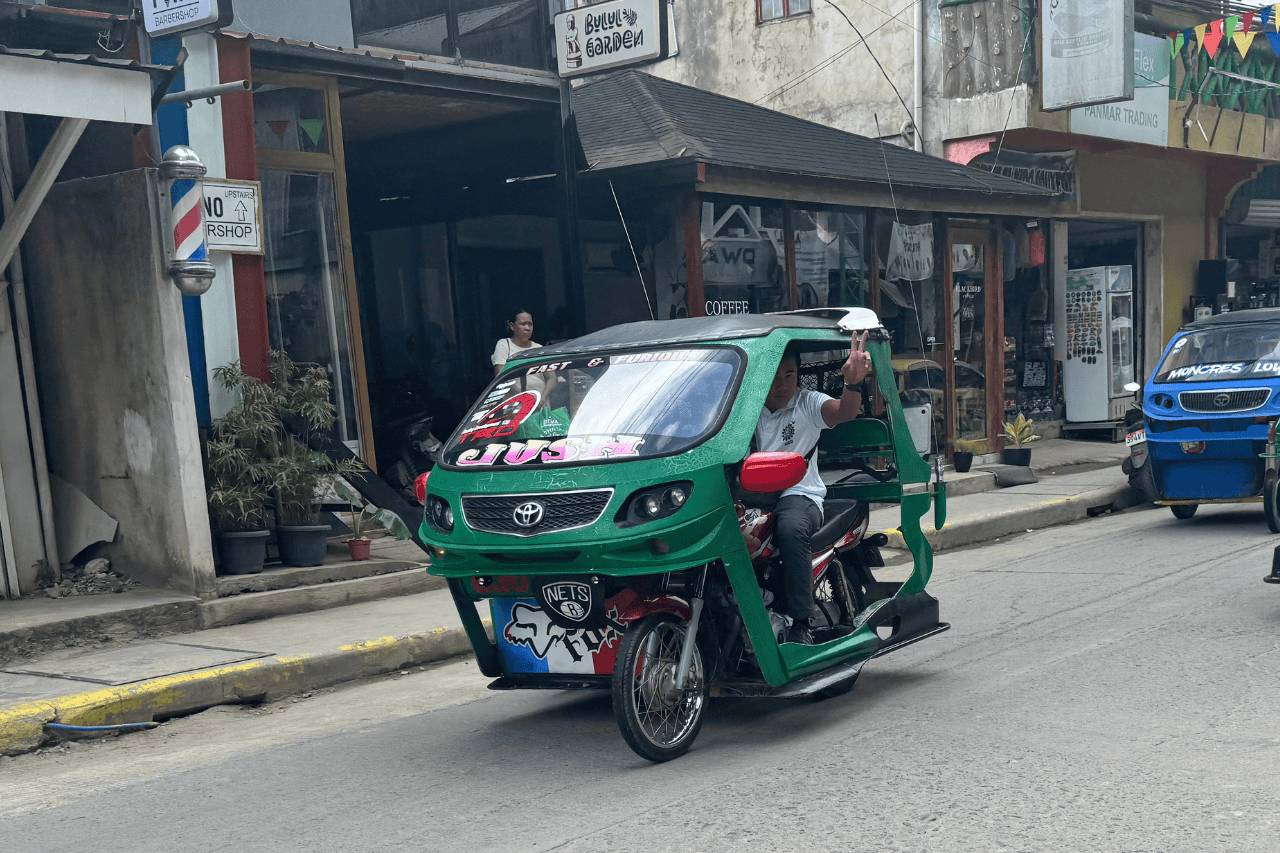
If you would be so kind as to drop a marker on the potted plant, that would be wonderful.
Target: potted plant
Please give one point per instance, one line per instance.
(1019, 433)
(963, 453)
(300, 475)
(237, 474)
(368, 516)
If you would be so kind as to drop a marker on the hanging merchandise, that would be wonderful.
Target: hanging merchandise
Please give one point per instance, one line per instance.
(910, 252)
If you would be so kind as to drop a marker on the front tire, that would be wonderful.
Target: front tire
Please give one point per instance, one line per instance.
(657, 720)
(1184, 511)
(1271, 500)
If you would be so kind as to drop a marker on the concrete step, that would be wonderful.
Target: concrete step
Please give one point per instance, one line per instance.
(251, 606)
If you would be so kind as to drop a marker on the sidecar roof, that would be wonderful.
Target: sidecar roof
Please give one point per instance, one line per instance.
(658, 333)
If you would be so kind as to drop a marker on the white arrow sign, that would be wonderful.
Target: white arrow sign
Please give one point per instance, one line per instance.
(233, 216)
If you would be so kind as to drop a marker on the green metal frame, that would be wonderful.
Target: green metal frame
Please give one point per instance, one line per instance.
(706, 528)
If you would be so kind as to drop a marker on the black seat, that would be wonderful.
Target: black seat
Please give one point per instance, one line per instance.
(839, 517)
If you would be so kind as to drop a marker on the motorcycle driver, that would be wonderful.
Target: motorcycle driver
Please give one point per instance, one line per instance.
(793, 420)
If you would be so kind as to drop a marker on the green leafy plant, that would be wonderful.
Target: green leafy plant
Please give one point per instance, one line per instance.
(237, 470)
(963, 445)
(1019, 432)
(253, 459)
(370, 517)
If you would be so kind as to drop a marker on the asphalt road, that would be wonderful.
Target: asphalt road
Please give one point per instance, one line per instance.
(1106, 686)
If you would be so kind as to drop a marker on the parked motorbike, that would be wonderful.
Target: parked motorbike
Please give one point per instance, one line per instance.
(1135, 465)
(415, 456)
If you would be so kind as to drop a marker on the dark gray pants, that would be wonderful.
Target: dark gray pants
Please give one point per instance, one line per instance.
(798, 518)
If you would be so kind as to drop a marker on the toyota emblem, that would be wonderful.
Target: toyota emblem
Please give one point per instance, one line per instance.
(529, 514)
(1221, 400)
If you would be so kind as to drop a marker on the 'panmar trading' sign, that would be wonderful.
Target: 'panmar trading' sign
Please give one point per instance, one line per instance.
(609, 35)
(1145, 118)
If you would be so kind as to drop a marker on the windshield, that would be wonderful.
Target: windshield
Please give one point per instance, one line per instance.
(597, 409)
(1247, 351)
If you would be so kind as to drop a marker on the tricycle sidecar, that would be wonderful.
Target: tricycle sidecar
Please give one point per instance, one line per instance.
(1210, 411)
(594, 497)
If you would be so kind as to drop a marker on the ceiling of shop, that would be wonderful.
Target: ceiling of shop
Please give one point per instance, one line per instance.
(377, 113)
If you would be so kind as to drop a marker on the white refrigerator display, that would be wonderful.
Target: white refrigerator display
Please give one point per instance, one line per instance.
(1097, 319)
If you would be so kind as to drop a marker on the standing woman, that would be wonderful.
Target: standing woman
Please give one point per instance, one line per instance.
(521, 327)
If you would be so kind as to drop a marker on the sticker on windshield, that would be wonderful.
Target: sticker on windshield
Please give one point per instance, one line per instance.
(1197, 370)
(579, 448)
(1179, 344)
(502, 420)
(1271, 368)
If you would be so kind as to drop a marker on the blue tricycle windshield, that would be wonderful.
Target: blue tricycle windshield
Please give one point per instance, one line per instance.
(597, 409)
(1246, 351)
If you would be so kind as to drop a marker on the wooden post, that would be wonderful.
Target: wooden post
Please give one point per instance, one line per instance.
(697, 294)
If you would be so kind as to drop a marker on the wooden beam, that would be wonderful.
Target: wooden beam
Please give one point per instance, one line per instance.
(42, 178)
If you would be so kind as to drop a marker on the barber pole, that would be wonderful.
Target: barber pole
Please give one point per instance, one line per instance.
(189, 265)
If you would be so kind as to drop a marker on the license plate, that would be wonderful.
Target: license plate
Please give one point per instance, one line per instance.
(1135, 437)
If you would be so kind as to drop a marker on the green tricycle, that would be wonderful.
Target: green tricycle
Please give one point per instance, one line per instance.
(599, 496)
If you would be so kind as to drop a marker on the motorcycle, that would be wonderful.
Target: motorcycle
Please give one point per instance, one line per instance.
(1135, 465)
(415, 456)
(602, 522)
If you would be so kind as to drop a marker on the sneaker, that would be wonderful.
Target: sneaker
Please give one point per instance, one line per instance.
(800, 633)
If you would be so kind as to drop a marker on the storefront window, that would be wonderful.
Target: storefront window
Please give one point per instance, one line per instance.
(290, 119)
(743, 257)
(306, 295)
(501, 32)
(829, 262)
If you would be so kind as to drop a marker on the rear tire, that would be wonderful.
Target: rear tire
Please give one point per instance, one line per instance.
(1271, 500)
(658, 721)
(1184, 511)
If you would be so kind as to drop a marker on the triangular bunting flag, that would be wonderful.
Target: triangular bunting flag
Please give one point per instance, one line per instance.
(1274, 38)
(1211, 43)
(1200, 35)
(1246, 20)
(1176, 41)
(1243, 41)
(279, 128)
(1264, 15)
(313, 128)
(1216, 26)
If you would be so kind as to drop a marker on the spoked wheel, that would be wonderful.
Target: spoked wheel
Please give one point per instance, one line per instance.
(1271, 500)
(657, 719)
(1184, 511)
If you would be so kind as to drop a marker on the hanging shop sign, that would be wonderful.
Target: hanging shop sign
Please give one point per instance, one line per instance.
(1144, 119)
(233, 216)
(1053, 170)
(910, 253)
(164, 17)
(1088, 47)
(610, 35)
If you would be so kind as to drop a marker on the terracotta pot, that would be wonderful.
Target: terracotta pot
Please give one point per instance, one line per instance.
(962, 461)
(359, 548)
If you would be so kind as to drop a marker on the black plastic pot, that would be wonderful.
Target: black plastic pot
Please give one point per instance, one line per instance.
(962, 461)
(302, 545)
(1016, 456)
(243, 551)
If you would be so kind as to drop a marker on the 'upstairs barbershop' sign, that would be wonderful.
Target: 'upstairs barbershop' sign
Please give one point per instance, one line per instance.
(609, 35)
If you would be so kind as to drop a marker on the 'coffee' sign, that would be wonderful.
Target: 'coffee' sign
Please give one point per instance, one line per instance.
(610, 35)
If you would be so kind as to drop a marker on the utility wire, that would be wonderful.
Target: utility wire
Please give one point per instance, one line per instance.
(876, 59)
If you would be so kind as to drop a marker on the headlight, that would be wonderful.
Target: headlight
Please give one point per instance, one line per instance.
(653, 503)
(439, 514)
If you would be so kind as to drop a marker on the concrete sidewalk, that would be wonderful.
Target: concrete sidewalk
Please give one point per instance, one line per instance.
(181, 668)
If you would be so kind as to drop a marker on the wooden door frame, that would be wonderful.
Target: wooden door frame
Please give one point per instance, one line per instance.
(334, 165)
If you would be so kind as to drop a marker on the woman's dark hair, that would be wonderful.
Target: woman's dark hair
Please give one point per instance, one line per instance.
(517, 313)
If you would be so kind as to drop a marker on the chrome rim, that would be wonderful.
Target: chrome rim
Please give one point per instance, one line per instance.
(666, 715)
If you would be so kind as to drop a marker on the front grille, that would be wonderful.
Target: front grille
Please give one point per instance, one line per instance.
(1242, 400)
(562, 511)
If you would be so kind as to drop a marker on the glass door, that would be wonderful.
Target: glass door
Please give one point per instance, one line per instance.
(976, 375)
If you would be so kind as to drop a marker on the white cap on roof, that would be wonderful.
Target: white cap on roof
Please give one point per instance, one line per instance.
(859, 320)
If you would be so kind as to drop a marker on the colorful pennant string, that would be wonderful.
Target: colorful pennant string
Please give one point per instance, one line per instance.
(1235, 30)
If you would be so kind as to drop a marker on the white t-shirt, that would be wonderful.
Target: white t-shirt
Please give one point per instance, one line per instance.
(796, 427)
(504, 349)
